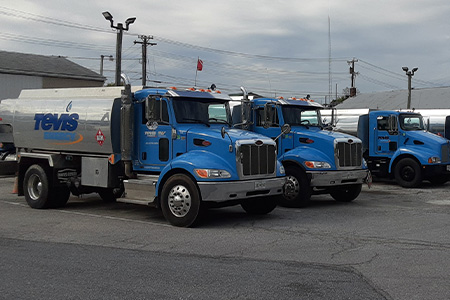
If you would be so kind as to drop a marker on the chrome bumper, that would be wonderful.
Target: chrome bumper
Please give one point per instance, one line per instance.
(234, 190)
(335, 178)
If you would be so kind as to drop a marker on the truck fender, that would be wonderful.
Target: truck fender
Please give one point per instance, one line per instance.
(196, 159)
(413, 152)
(303, 153)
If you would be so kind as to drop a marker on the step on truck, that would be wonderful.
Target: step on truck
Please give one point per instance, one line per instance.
(171, 148)
(396, 145)
(316, 161)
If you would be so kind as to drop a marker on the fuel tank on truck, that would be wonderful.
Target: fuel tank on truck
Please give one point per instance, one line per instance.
(83, 120)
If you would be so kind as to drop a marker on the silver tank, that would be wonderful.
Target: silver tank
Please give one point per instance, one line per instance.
(85, 120)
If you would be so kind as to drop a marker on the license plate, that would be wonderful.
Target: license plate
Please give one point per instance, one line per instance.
(448, 168)
(260, 185)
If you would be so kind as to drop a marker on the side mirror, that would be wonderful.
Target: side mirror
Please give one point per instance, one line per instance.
(223, 132)
(285, 129)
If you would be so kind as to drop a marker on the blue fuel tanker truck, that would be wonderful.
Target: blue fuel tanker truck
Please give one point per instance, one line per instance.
(171, 148)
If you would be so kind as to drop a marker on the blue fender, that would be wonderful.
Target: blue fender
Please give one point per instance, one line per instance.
(305, 153)
(198, 159)
(415, 151)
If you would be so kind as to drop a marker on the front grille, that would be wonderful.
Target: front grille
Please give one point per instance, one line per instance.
(257, 160)
(445, 152)
(349, 154)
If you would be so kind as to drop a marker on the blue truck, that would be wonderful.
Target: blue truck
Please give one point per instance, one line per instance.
(171, 148)
(396, 145)
(316, 160)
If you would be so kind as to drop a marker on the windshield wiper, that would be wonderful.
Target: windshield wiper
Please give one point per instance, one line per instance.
(220, 121)
(197, 121)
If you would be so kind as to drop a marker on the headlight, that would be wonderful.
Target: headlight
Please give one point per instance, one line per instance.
(434, 160)
(317, 165)
(212, 173)
(282, 171)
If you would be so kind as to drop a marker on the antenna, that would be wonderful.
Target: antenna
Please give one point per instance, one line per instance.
(330, 88)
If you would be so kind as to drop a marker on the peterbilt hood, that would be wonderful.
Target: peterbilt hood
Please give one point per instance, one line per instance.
(195, 136)
(320, 137)
(427, 138)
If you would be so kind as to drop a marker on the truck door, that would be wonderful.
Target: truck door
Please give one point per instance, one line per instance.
(386, 135)
(155, 135)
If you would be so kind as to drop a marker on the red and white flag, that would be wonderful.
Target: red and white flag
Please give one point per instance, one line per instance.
(199, 65)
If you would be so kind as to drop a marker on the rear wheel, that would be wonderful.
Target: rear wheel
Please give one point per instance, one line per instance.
(260, 205)
(346, 193)
(36, 187)
(407, 173)
(297, 190)
(59, 197)
(180, 201)
(438, 180)
(111, 194)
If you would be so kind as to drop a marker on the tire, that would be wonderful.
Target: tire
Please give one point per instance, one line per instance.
(408, 173)
(259, 205)
(36, 187)
(180, 201)
(438, 180)
(297, 190)
(111, 194)
(346, 193)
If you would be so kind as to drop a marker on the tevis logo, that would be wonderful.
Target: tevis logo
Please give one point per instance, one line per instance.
(52, 121)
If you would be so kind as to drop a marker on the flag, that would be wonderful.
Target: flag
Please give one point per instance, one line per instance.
(199, 65)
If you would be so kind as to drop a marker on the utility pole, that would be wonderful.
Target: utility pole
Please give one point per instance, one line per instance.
(101, 62)
(353, 73)
(144, 43)
(410, 74)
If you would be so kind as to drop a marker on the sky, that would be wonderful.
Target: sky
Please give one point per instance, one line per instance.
(273, 48)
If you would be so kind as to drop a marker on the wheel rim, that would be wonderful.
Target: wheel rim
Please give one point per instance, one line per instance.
(292, 188)
(179, 201)
(408, 173)
(34, 187)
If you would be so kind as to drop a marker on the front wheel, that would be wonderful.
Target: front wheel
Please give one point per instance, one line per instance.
(346, 193)
(407, 173)
(297, 190)
(180, 201)
(259, 205)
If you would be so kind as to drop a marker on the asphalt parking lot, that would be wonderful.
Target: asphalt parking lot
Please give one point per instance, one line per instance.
(390, 243)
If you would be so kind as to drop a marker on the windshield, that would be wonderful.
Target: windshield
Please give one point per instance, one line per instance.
(295, 115)
(205, 111)
(411, 122)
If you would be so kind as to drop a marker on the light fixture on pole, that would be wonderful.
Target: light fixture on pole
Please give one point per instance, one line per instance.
(410, 74)
(120, 30)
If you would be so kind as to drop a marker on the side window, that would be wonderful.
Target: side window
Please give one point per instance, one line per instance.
(161, 112)
(259, 117)
(272, 118)
(382, 123)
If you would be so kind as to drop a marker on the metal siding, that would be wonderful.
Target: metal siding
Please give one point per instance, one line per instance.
(11, 85)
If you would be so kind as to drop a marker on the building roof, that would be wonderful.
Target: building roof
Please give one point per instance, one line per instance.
(420, 99)
(45, 66)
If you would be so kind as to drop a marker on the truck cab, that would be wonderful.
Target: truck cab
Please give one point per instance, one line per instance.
(396, 145)
(171, 148)
(317, 161)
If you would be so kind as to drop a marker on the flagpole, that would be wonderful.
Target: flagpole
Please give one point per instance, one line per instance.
(196, 71)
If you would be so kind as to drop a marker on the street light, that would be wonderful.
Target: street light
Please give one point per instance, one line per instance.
(410, 74)
(120, 30)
